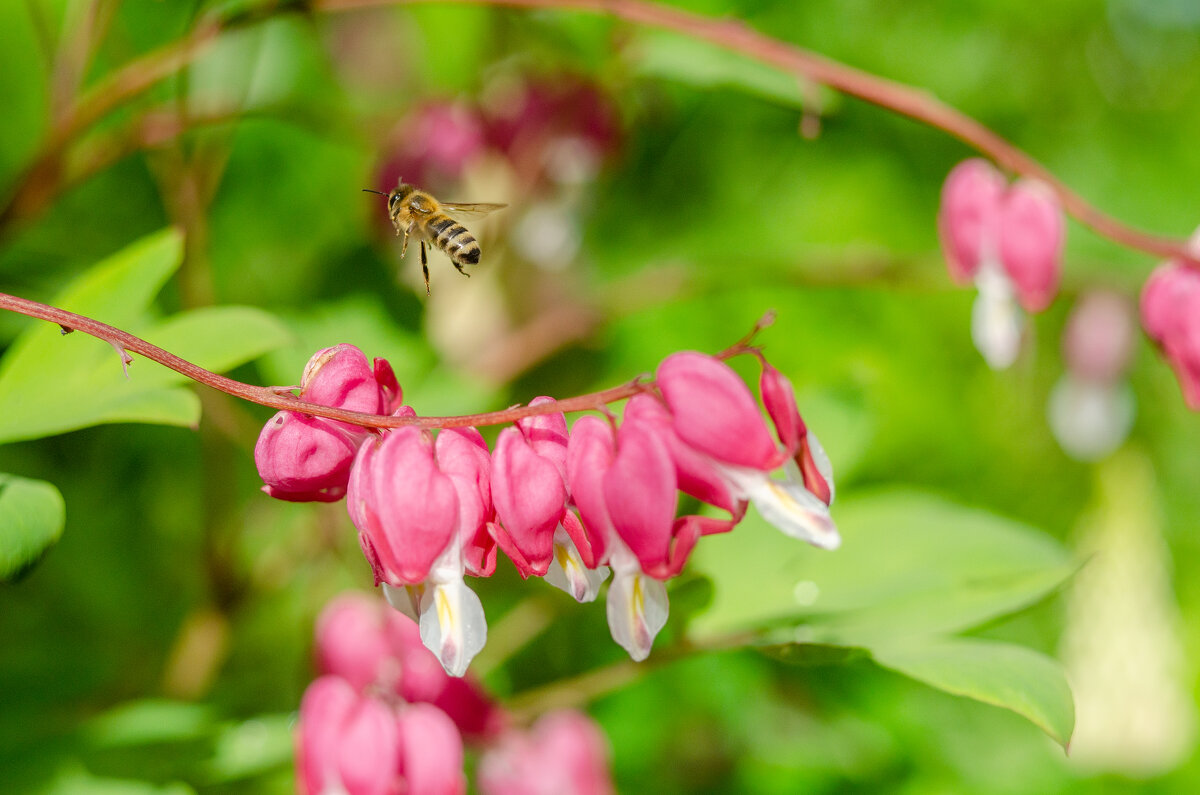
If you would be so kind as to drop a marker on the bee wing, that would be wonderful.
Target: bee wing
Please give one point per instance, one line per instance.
(467, 211)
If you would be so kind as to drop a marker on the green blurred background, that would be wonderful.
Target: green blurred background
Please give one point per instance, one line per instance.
(163, 644)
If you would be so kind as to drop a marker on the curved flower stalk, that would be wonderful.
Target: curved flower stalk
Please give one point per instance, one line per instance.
(568, 506)
(1008, 240)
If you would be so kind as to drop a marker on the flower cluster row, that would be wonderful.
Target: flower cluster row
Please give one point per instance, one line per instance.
(566, 505)
(385, 718)
(1008, 241)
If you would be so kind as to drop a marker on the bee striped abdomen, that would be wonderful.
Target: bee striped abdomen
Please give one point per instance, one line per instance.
(454, 239)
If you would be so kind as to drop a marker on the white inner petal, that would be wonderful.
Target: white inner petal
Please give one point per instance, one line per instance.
(996, 318)
(453, 626)
(568, 573)
(637, 609)
(795, 511)
(403, 599)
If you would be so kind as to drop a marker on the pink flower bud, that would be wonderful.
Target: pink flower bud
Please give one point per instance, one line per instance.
(1031, 242)
(968, 220)
(564, 754)
(431, 760)
(1099, 337)
(347, 743)
(589, 457)
(302, 458)
(714, 411)
(530, 498)
(403, 504)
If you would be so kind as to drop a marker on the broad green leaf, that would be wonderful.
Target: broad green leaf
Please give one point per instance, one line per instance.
(31, 521)
(697, 63)
(909, 563)
(52, 384)
(1022, 680)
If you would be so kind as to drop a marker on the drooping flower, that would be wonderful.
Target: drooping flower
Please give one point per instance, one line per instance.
(409, 514)
(1009, 241)
(302, 458)
(565, 753)
(716, 415)
(536, 529)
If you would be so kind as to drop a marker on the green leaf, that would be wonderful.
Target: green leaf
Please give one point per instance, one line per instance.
(909, 563)
(50, 384)
(31, 521)
(1024, 681)
(74, 779)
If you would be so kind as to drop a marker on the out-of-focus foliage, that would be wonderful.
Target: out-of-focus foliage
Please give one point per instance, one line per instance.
(162, 644)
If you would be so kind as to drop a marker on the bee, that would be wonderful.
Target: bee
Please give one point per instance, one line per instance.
(416, 213)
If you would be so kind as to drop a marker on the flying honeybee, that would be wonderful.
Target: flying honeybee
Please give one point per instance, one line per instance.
(415, 212)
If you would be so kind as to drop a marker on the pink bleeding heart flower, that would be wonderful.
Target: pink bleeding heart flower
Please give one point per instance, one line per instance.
(377, 650)
(565, 753)
(431, 752)
(347, 743)
(1170, 308)
(1031, 241)
(968, 219)
(536, 529)
(1009, 241)
(302, 458)
(706, 399)
(408, 511)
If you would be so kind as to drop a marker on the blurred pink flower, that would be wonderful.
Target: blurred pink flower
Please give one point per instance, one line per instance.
(565, 753)
(378, 650)
(347, 743)
(434, 145)
(1171, 316)
(1009, 241)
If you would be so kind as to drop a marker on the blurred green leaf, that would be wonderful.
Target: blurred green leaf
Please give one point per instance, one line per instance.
(910, 563)
(1022, 680)
(31, 521)
(148, 722)
(75, 780)
(51, 385)
(251, 748)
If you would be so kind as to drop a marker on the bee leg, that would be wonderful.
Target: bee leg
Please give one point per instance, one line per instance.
(460, 270)
(425, 267)
(403, 245)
